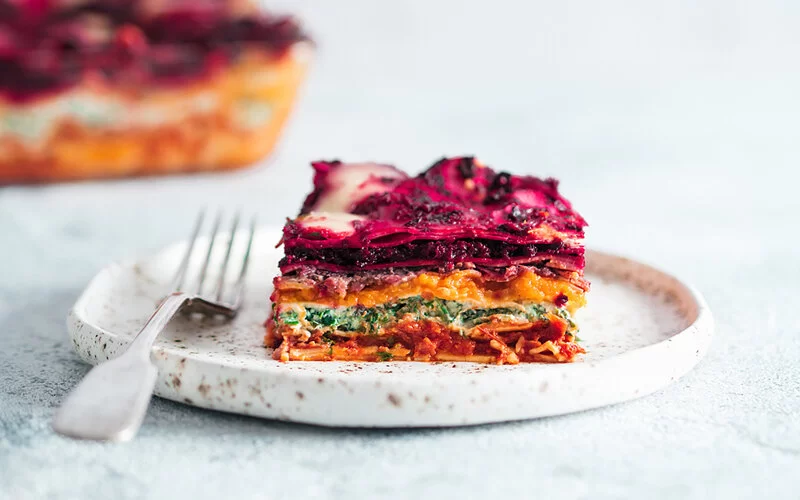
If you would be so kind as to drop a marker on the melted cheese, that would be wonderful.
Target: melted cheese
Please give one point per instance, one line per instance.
(353, 182)
(35, 123)
(460, 286)
(336, 222)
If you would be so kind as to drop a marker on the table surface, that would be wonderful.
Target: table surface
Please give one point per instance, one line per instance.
(673, 128)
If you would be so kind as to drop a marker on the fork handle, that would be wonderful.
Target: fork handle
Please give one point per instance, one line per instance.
(142, 343)
(110, 402)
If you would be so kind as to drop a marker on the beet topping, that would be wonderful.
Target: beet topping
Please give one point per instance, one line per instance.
(48, 46)
(455, 192)
(458, 210)
(423, 253)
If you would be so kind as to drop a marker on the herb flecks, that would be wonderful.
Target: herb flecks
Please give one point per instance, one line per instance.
(289, 318)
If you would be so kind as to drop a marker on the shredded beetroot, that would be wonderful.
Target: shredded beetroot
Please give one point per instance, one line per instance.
(432, 253)
(456, 211)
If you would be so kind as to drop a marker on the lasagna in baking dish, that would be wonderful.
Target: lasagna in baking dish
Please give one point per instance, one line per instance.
(109, 88)
(460, 263)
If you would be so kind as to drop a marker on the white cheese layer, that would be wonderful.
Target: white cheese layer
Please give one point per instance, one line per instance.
(34, 123)
(353, 182)
(336, 222)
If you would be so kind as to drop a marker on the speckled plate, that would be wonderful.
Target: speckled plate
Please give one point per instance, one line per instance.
(642, 329)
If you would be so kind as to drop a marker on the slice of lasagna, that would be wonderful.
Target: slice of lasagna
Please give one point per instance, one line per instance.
(460, 263)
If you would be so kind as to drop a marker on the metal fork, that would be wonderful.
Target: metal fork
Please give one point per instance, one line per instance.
(110, 402)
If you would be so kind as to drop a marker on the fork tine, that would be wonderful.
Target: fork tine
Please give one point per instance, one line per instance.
(221, 278)
(237, 289)
(211, 241)
(180, 275)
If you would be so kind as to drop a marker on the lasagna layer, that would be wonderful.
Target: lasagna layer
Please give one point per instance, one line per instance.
(420, 329)
(465, 286)
(429, 253)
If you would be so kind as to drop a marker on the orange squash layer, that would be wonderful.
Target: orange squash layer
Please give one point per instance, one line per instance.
(202, 140)
(457, 285)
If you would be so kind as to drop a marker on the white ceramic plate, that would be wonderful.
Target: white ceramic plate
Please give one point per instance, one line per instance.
(642, 329)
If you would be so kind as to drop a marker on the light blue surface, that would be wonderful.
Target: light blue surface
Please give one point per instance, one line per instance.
(672, 128)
